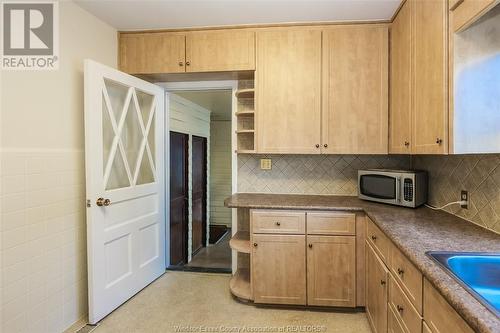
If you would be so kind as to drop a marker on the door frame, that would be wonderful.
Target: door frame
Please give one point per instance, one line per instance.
(202, 85)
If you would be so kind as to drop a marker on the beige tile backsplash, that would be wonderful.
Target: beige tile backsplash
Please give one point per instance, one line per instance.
(478, 174)
(310, 174)
(337, 175)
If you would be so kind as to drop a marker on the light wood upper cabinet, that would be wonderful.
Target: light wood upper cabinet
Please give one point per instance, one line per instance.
(288, 91)
(222, 50)
(430, 89)
(279, 269)
(331, 270)
(376, 291)
(147, 53)
(466, 12)
(355, 89)
(400, 103)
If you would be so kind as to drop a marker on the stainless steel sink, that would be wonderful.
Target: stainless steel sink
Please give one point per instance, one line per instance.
(479, 273)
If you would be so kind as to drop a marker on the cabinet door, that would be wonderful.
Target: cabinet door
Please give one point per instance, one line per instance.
(331, 271)
(151, 53)
(400, 110)
(355, 90)
(439, 315)
(279, 269)
(376, 291)
(211, 51)
(288, 83)
(430, 90)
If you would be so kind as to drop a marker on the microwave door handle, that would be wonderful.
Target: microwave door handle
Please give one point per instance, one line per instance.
(398, 189)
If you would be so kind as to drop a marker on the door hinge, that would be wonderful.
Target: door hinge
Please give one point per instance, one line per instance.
(88, 203)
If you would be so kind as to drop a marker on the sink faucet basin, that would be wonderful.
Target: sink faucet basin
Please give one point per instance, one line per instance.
(479, 273)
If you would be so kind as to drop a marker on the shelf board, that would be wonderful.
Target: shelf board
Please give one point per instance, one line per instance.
(240, 242)
(240, 284)
(245, 151)
(245, 93)
(243, 131)
(245, 113)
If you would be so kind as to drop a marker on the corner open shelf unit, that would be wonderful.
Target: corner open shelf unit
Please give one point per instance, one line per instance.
(245, 121)
(241, 282)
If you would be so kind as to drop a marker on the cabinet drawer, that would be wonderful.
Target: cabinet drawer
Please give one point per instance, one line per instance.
(393, 323)
(331, 223)
(403, 309)
(378, 240)
(439, 315)
(278, 222)
(407, 275)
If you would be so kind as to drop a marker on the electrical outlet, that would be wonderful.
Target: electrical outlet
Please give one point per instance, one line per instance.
(265, 164)
(464, 196)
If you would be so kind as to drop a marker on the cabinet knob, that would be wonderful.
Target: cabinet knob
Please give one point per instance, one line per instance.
(310, 246)
(255, 244)
(382, 282)
(325, 145)
(317, 145)
(278, 224)
(439, 141)
(374, 237)
(399, 308)
(400, 271)
(188, 63)
(181, 63)
(407, 144)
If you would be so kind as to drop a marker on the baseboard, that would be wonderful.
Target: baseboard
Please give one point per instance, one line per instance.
(77, 325)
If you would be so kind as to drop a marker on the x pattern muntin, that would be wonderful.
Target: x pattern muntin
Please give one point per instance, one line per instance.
(118, 129)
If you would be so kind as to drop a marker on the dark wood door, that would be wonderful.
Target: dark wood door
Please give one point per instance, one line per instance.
(199, 200)
(178, 198)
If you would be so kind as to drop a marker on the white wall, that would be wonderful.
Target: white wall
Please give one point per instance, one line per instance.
(220, 171)
(190, 118)
(43, 282)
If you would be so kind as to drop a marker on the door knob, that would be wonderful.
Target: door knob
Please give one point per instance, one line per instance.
(103, 202)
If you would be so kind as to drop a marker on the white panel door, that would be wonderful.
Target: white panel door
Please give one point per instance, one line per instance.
(124, 156)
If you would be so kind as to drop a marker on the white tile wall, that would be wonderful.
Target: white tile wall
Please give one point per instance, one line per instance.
(42, 241)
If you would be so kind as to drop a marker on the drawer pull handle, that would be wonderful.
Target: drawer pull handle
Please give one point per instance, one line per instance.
(278, 224)
(374, 237)
(399, 308)
(255, 244)
(382, 282)
(400, 271)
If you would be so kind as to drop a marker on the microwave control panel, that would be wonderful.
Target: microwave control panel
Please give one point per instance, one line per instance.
(408, 189)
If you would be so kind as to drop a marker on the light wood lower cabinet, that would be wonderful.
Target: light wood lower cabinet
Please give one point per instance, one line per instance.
(439, 316)
(376, 291)
(279, 269)
(331, 270)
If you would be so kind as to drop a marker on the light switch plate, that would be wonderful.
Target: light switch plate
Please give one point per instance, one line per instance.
(265, 164)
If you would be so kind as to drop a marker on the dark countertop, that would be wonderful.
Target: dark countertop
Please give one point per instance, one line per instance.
(414, 232)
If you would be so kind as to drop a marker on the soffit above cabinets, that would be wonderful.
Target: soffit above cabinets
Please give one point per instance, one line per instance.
(144, 15)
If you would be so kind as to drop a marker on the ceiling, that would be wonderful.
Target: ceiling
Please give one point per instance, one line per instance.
(170, 14)
(217, 101)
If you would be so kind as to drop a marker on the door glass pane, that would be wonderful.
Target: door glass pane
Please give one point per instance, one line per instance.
(145, 104)
(117, 94)
(151, 139)
(145, 172)
(118, 176)
(107, 134)
(132, 136)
